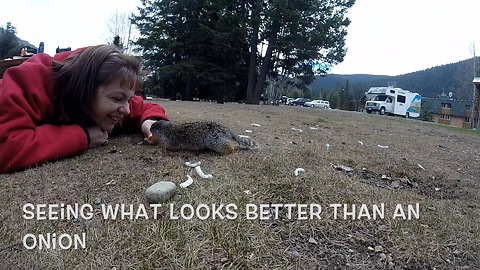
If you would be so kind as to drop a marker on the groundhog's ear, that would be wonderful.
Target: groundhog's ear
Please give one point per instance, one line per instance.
(155, 124)
(159, 124)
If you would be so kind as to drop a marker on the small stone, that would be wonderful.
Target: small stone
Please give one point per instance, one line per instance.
(98, 200)
(160, 192)
(396, 184)
(312, 240)
(378, 248)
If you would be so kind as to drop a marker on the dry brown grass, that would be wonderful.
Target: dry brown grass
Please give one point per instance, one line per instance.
(446, 236)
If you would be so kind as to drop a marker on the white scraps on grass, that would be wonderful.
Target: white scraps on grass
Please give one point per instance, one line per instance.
(113, 182)
(297, 129)
(421, 167)
(298, 171)
(383, 146)
(187, 183)
(312, 240)
(255, 125)
(201, 174)
(192, 165)
(360, 142)
(248, 131)
(243, 136)
(315, 128)
(328, 147)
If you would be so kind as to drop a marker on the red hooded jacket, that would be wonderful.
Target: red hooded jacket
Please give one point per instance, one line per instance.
(28, 133)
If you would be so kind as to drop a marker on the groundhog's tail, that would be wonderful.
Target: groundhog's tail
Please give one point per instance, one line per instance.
(246, 143)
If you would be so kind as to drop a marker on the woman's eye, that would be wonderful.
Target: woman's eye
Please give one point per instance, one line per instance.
(116, 98)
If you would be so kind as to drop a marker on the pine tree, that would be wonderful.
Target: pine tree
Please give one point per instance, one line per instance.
(299, 31)
(195, 47)
(210, 48)
(425, 113)
(8, 41)
(8, 44)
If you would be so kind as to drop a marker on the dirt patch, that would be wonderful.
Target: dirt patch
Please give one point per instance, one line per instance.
(350, 158)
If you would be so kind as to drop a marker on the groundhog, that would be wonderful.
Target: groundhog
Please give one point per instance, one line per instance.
(196, 136)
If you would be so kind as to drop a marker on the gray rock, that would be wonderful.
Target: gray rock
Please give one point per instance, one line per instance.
(160, 192)
(98, 200)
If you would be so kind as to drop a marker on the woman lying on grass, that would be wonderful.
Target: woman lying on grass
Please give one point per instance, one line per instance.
(55, 107)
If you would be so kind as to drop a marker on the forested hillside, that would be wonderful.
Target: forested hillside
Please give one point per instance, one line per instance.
(336, 81)
(456, 78)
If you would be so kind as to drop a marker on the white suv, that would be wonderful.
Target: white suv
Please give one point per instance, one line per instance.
(318, 104)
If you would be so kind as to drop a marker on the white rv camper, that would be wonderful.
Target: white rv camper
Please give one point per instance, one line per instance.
(394, 101)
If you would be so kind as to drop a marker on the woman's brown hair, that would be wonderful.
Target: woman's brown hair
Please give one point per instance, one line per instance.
(79, 76)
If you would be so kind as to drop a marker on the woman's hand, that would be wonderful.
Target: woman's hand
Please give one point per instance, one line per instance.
(146, 129)
(98, 136)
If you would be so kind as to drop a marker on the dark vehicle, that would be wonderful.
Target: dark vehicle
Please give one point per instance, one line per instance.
(299, 101)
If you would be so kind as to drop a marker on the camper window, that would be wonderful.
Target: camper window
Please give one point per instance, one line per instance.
(401, 99)
(380, 98)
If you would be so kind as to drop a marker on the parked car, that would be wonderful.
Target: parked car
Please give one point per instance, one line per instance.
(299, 101)
(289, 101)
(318, 103)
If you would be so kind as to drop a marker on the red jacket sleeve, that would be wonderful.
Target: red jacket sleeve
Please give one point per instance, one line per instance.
(27, 137)
(141, 111)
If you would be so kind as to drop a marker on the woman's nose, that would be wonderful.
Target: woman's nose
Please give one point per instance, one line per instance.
(124, 108)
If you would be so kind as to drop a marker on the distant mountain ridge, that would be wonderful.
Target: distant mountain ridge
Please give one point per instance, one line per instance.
(432, 82)
(25, 43)
(335, 81)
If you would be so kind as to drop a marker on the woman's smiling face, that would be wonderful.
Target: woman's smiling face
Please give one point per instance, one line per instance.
(111, 103)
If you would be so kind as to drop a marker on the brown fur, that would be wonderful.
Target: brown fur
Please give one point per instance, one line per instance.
(195, 136)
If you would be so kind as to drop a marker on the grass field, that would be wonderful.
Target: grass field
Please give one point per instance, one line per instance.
(373, 168)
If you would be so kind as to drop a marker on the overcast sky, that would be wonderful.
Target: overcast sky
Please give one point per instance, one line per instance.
(386, 37)
(63, 23)
(393, 37)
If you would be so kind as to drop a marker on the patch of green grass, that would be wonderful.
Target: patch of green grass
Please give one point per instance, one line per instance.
(321, 120)
(459, 130)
